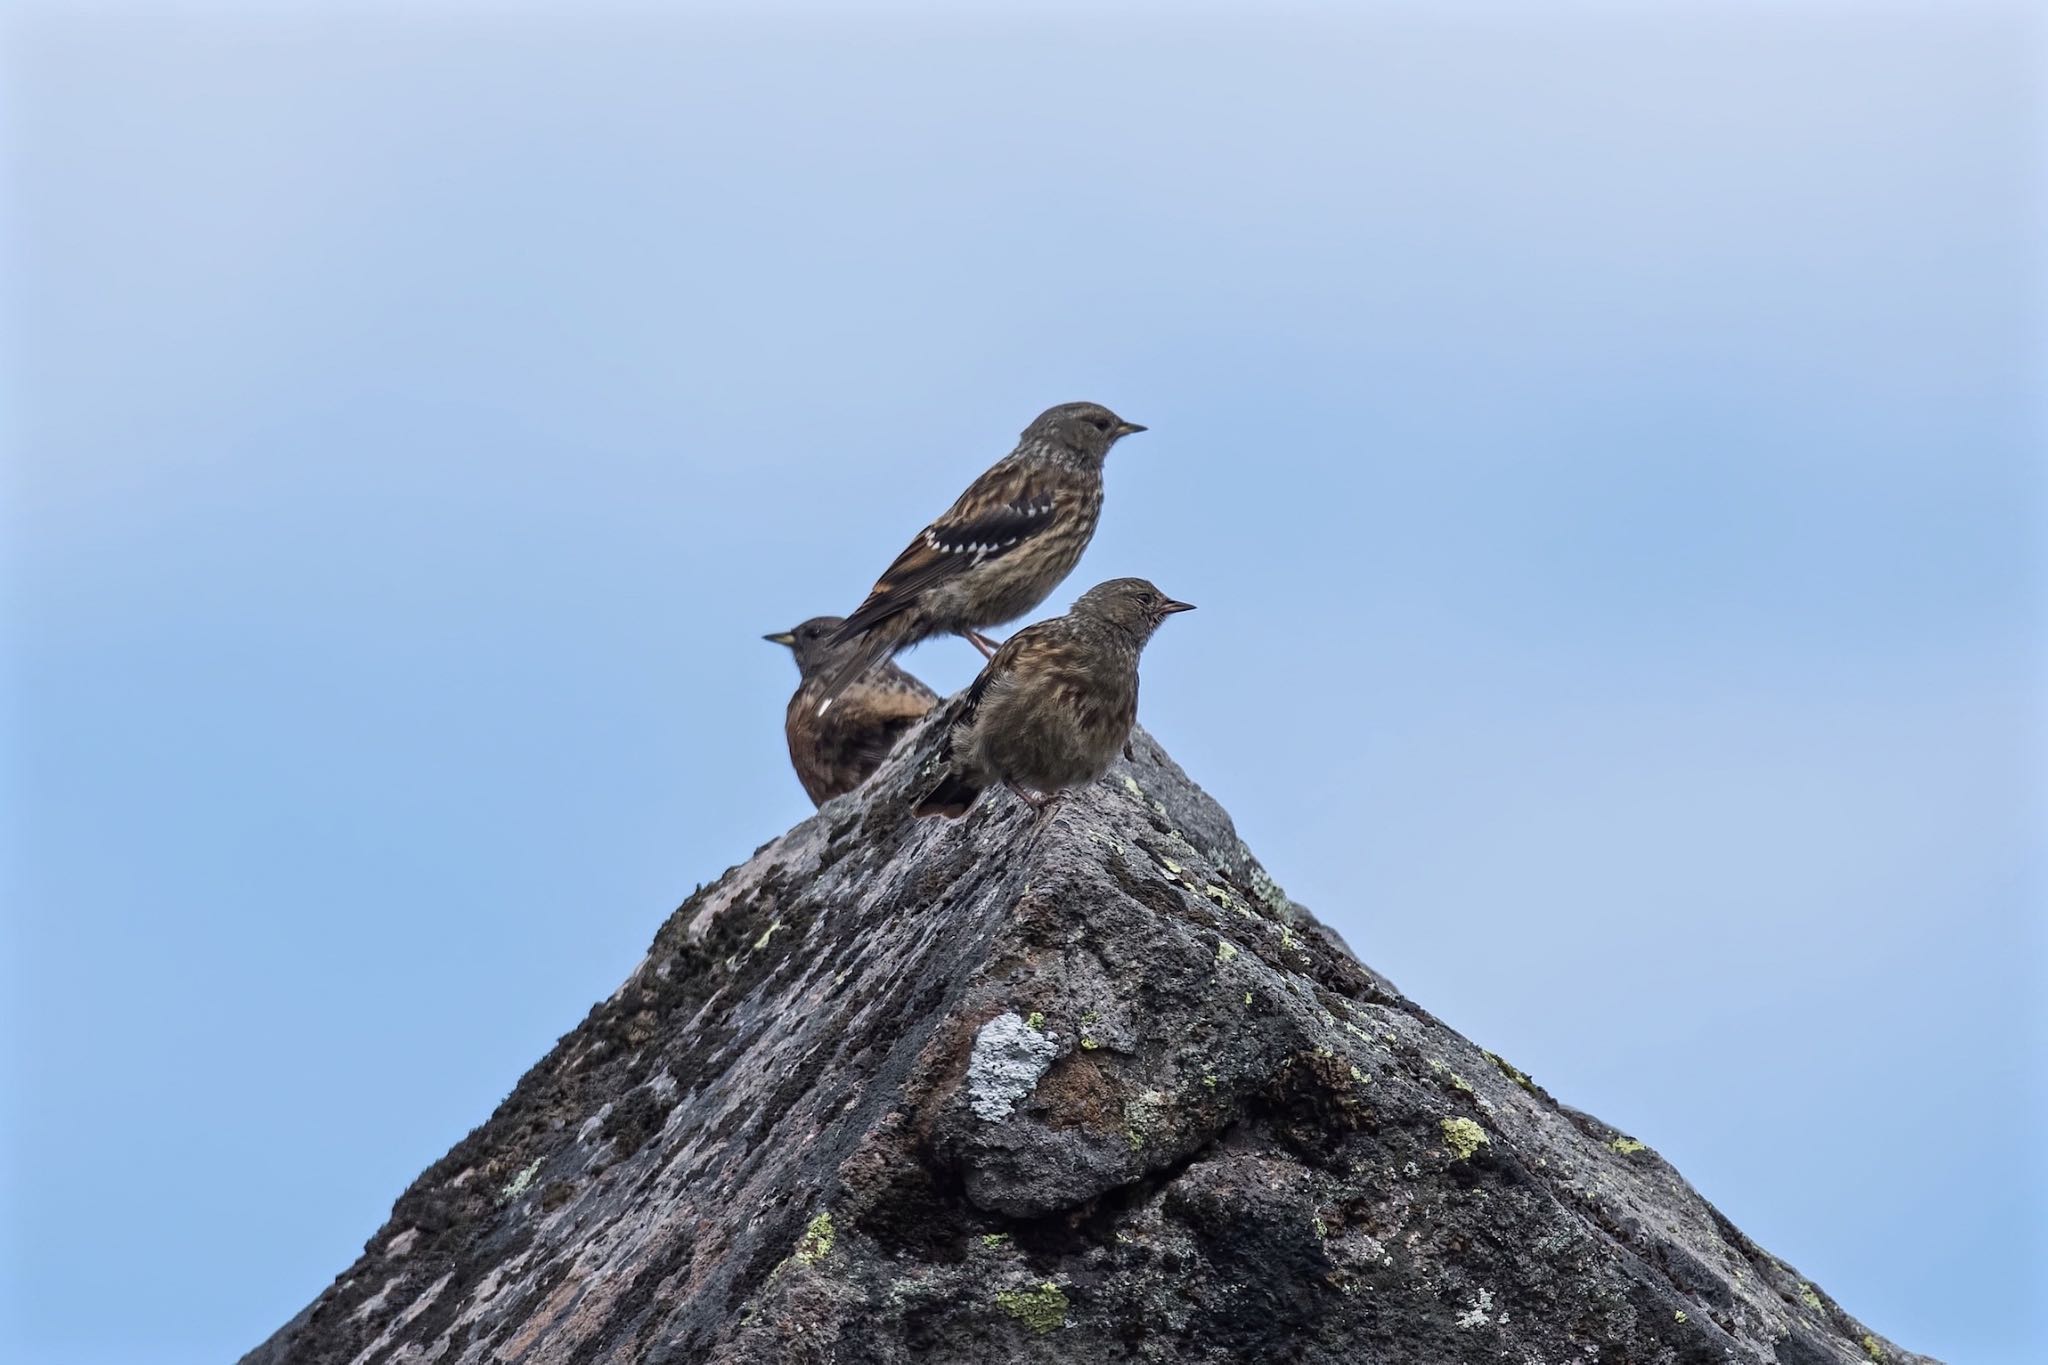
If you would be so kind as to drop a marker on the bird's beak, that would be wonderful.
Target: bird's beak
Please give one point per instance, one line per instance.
(1124, 429)
(787, 637)
(1171, 607)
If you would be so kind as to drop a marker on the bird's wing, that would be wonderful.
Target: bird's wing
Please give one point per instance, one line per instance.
(891, 705)
(1025, 645)
(1002, 509)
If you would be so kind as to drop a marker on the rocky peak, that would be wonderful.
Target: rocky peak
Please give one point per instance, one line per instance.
(918, 1090)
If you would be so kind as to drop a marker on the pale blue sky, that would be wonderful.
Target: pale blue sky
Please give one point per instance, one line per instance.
(1605, 449)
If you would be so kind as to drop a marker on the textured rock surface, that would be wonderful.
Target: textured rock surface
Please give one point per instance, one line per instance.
(899, 1090)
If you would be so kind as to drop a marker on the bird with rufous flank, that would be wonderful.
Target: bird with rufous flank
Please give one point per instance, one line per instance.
(998, 551)
(1054, 707)
(837, 751)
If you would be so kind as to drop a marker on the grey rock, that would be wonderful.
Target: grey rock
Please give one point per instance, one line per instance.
(820, 1123)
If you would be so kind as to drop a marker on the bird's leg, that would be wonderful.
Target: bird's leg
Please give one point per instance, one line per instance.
(1043, 804)
(1036, 800)
(981, 642)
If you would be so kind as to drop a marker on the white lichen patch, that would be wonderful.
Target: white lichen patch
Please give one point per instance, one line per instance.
(1008, 1058)
(1479, 1313)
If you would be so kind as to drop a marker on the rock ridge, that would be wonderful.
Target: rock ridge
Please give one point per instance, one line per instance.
(895, 1090)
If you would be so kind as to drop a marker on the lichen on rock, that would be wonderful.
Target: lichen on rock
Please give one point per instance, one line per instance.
(1043, 1309)
(1009, 1056)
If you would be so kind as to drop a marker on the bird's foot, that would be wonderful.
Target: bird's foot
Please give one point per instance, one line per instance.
(981, 642)
(1042, 804)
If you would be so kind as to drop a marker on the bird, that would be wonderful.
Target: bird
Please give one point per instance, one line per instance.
(834, 753)
(1056, 704)
(997, 552)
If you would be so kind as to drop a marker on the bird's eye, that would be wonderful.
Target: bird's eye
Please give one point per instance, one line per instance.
(1099, 423)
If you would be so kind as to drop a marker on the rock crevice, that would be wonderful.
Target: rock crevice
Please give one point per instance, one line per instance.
(897, 1090)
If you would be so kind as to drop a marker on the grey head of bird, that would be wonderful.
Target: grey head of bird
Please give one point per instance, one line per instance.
(1131, 605)
(1086, 430)
(809, 642)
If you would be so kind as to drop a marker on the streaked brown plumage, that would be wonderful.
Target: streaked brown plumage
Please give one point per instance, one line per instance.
(1000, 548)
(1056, 703)
(837, 751)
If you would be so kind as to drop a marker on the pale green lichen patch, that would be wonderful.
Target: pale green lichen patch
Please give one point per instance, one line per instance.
(766, 934)
(521, 1183)
(992, 1240)
(1628, 1146)
(816, 1243)
(1873, 1348)
(1510, 1070)
(1143, 1114)
(1457, 1082)
(1224, 950)
(1463, 1137)
(1043, 1309)
(1089, 1045)
(1036, 1023)
(1811, 1299)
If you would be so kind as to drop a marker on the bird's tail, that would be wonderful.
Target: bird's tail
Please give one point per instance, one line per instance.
(860, 655)
(951, 798)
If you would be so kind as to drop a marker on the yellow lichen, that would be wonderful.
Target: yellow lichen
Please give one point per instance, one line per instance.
(1463, 1137)
(1043, 1309)
(1628, 1146)
(816, 1243)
